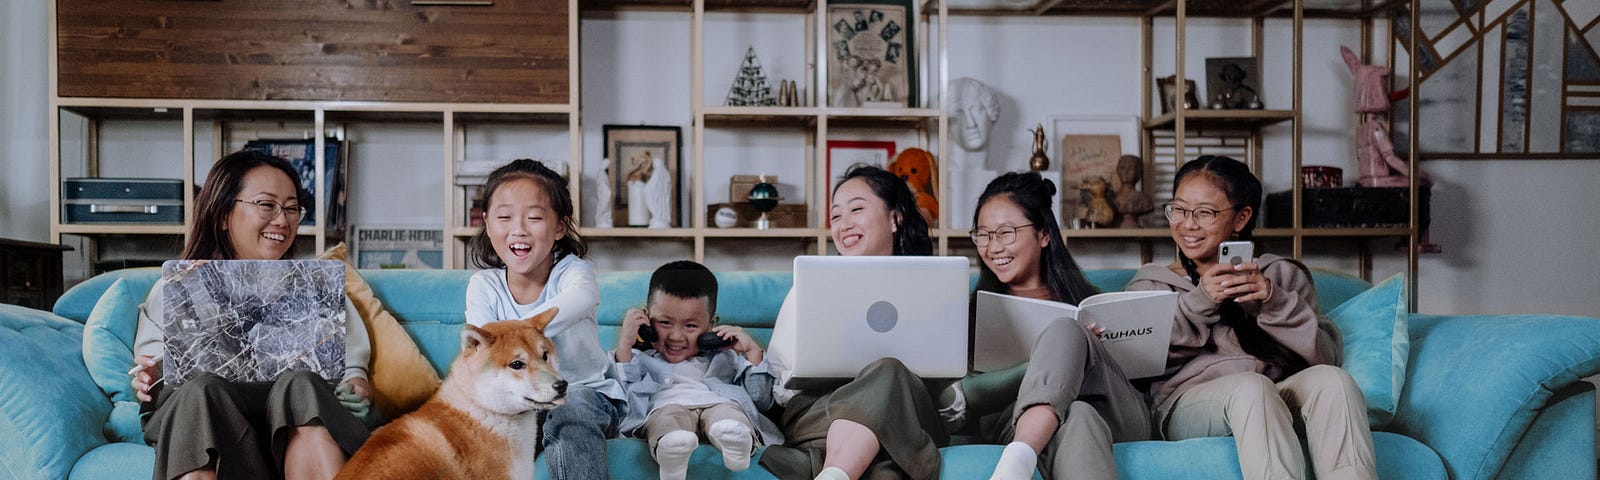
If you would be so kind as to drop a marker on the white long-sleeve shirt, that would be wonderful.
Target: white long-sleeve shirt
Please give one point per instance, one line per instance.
(573, 290)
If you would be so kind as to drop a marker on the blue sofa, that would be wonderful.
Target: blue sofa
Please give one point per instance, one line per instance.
(1483, 397)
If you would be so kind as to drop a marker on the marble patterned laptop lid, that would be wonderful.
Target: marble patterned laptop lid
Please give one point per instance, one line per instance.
(253, 320)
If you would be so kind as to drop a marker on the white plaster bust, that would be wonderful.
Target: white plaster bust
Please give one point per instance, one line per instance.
(974, 109)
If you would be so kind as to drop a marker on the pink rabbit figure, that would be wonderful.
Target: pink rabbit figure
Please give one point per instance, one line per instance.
(1374, 152)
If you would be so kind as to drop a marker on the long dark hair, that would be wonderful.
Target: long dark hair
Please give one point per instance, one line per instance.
(555, 187)
(1057, 269)
(1243, 191)
(911, 237)
(208, 240)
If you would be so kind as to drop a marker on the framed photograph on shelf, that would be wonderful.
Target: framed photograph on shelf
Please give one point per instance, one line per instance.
(871, 55)
(1089, 148)
(398, 247)
(1233, 83)
(645, 162)
(844, 153)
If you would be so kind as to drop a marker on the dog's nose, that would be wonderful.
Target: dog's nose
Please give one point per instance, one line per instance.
(560, 386)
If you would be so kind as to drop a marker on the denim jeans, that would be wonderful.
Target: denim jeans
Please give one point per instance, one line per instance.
(575, 435)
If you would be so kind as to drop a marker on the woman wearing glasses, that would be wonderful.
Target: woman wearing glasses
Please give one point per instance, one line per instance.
(296, 427)
(1250, 355)
(1074, 400)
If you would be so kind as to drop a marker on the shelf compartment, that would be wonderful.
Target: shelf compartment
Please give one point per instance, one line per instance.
(760, 116)
(114, 229)
(880, 117)
(638, 232)
(711, 5)
(1222, 118)
(810, 233)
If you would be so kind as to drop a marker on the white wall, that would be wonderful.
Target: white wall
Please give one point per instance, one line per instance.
(24, 92)
(1518, 236)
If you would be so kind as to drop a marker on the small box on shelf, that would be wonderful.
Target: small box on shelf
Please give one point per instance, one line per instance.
(787, 215)
(1347, 207)
(739, 186)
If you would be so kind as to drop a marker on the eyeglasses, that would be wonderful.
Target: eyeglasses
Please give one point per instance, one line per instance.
(1006, 235)
(1202, 216)
(269, 209)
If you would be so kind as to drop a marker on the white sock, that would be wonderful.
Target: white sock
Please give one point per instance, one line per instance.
(1017, 462)
(673, 451)
(735, 440)
(832, 473)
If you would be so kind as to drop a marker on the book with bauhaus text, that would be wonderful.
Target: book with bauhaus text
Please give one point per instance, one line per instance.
(1138, 326)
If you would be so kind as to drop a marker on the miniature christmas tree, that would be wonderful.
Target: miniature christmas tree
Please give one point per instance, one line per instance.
(750, 87)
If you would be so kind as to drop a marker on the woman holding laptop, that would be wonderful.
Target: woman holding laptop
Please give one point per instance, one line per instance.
(297, 427)
(883, 423)
(1074, 400)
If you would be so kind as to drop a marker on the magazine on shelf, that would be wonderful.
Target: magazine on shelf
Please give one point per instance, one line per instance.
(301, 154)
(1138, 326)
(399, 247)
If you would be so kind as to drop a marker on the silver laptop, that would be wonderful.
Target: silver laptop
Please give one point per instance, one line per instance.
(253, 320)
(851, 311)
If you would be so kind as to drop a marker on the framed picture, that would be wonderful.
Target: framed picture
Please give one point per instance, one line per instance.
(1089, 148)
(842, 154)
(398, 247)
(871, 57)
(1233, 83)
(1168, 86)
(645, 161)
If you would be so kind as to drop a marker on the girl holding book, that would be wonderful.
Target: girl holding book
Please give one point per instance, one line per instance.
(1074, 400)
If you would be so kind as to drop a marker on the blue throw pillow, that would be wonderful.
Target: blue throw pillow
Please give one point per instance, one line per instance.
(108, 336)
(1377, 344)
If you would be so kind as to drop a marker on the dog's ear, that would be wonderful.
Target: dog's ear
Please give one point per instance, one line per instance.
(473, 338)
(542, 319)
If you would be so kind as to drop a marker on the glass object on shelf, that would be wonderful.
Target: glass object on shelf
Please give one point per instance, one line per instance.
(764, 198)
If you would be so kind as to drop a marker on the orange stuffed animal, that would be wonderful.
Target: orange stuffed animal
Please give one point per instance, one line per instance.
(921, 172)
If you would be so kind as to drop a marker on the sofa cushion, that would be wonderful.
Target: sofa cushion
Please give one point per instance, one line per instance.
(108, 337)
(116, 461)
(1487, 378)
(1218, 457)
(402, 379)
(429, 304)
(1377, 344)
(76, 302)
(52, 411)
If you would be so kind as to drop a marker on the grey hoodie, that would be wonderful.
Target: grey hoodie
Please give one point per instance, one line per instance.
(1202, 348)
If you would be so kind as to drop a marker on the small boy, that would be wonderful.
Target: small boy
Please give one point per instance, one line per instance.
(679, 389)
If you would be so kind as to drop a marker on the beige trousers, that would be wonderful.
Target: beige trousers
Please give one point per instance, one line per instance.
(670, 418)
(1257, 413)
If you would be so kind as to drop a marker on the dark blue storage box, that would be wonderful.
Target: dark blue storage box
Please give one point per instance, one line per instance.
(122, 200)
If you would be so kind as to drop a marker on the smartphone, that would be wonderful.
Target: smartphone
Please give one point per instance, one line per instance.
(1237, 252)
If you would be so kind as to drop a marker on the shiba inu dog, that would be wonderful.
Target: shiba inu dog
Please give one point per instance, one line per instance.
(484, 421)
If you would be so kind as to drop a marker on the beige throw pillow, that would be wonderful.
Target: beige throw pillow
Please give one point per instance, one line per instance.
(402, 378)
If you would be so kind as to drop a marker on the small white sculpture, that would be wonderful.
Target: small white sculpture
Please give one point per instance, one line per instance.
(974, 109)
(602, 196)
(658, 193)
(638, 212)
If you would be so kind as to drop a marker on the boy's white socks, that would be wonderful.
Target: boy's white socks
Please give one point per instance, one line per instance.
(1017, 462)
(832, 473)
(735, 440)
(673, 451)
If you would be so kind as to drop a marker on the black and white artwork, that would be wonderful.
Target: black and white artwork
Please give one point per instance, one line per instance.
(253, 320)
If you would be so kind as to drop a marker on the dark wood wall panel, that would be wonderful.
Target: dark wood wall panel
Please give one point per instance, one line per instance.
(370, 50)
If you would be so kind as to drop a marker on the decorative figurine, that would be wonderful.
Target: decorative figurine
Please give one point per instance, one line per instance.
(1130, 202)
(602, 196)
(974, 109)
(658, 193)
(921, 172)
(1039, 162)
(763, 198)
(638, 212)
(1375, 156)
(1100, 212)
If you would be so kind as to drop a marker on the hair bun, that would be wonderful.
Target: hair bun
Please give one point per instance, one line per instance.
(1046, 188)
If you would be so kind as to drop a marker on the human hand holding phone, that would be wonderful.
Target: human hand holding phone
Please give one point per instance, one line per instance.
(634, 323)
(145, 374)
